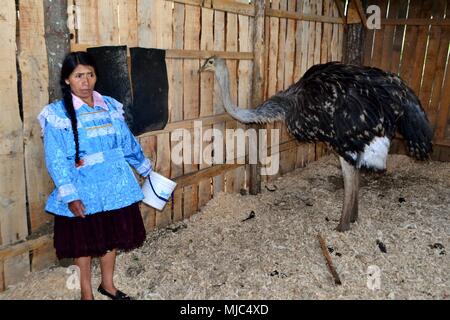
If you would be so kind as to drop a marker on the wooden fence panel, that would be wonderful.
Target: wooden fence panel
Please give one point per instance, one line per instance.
(418, 52)
(13, 218)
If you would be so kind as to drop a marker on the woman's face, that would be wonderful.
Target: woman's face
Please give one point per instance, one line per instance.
(82, 81)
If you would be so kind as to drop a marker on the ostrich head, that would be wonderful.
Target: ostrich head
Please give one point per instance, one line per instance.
(212, 63)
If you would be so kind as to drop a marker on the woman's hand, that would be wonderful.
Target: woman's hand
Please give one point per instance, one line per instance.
(77, 208)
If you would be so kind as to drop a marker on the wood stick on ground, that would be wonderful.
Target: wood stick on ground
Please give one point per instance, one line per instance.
(327, 256)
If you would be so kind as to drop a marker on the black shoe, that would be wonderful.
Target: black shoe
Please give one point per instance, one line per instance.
(118, 296)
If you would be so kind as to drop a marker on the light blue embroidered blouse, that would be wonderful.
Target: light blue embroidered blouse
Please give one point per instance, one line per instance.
(105, 181)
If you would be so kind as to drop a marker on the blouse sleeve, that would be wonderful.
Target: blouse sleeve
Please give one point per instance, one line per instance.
(58, 165)
(134, 154)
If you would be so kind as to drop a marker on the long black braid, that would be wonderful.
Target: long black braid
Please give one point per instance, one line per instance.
(71, 61)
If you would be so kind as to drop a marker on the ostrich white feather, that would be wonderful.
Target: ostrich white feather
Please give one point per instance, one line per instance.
(375, 154)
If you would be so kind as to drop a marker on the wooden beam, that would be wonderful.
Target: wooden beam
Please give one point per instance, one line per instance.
(221, 5)
(209, 172)
(234, 7)
(303, 17)
(416, 22)
(189, 2)
(185, 54)
(443, 142)
(189, 124)
(24, 247)
(213, 171)
(204, 54)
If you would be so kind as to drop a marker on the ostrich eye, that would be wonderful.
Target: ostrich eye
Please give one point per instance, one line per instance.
(210, 62)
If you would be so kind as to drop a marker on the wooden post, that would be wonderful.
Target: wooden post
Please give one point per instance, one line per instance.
(354, 36)
(57, 42)
(258, 83)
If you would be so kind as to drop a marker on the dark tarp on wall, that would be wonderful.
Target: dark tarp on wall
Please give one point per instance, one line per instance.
(146, 101)
(150, 87)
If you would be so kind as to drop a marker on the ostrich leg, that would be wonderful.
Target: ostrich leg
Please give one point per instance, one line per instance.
(354, 215)
(351, 188)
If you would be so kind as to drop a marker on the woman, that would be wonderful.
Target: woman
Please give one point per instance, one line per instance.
(88, 152)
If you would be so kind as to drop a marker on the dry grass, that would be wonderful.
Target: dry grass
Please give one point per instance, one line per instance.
(276, 254)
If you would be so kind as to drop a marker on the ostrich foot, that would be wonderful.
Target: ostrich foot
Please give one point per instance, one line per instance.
(343, 227)
(351, 188)
(354, 215)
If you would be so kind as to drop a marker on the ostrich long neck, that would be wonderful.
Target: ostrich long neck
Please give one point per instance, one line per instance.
(269, 111)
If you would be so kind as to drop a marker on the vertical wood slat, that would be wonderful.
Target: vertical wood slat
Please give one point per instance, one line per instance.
(35, 80)
(191, 100)
(334, 33)
(288, 157)
(388, 38)
(432, 75)
(145, 39)
(87, 21)
(272, 63)
(419, 53)
(148, 213)
(318, 36)
(300, 64)
(402, 8)
(176, 94)
(238, 174)
(108, 22)
(206, 101)
(246, 36)
(312, 9)
(259, 37)
(164, 40)
(128, 23)
(298, 58)
(410, 43)
(231, 45)
(219, 45)
(318, 47)
(326, 33)
(13, 217)
(379, 36)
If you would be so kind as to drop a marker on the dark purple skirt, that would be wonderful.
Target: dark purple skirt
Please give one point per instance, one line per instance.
(96, 234)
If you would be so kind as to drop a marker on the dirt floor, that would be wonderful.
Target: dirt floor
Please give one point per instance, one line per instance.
(399, 249)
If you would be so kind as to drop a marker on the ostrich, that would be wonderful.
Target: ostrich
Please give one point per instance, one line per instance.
(355, 110)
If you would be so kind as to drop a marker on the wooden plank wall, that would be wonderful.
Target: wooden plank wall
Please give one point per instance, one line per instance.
(13, 214)
(419, 53)
(297, 36)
